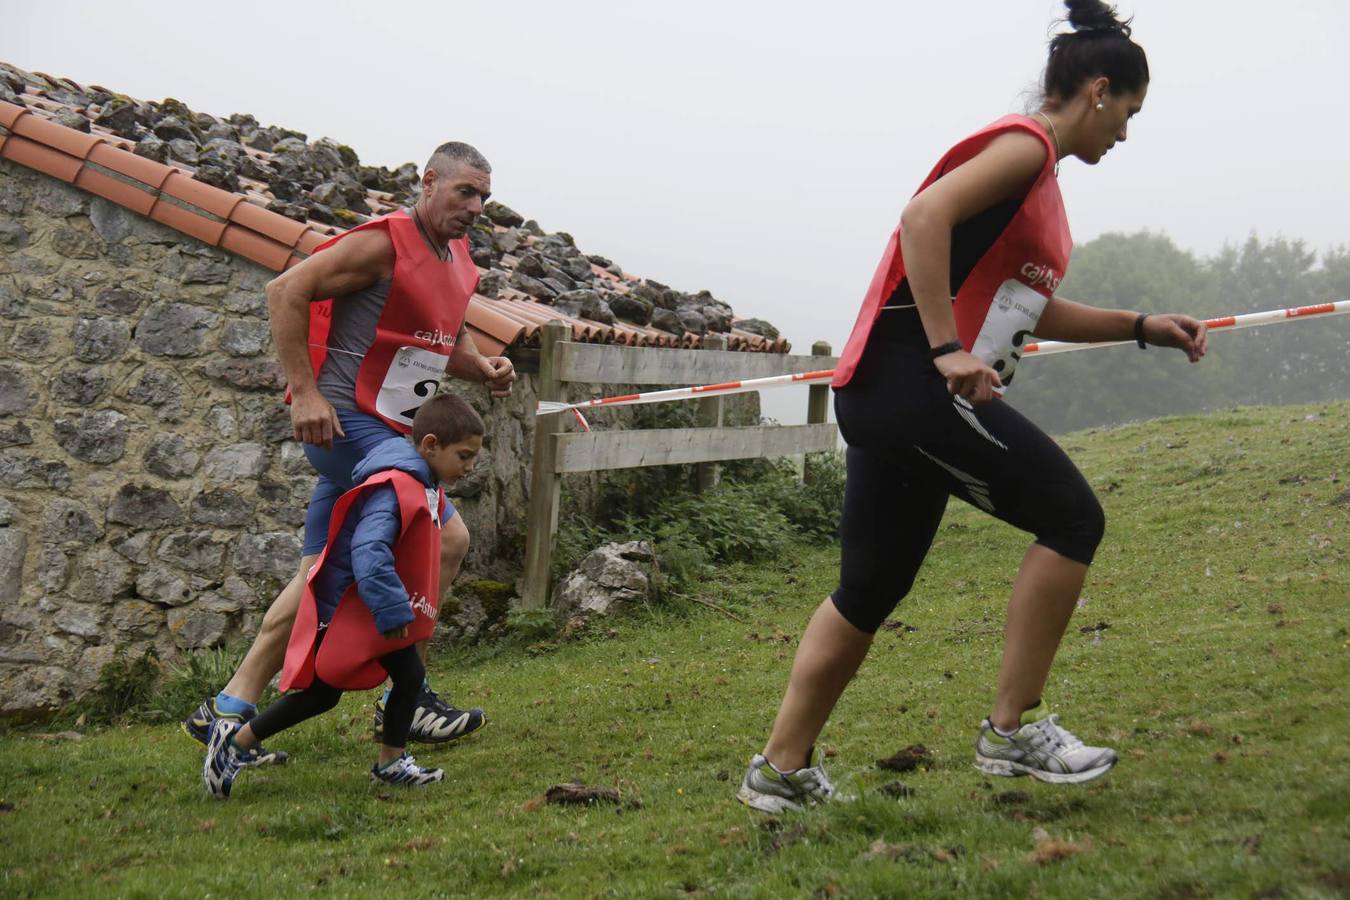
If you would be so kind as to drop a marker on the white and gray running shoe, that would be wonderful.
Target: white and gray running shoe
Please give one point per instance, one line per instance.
(770, 790)
(1042, 749)
(404, 772)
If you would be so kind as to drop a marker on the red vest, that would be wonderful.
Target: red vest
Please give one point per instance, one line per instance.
(348, 657)
(417, 328)
(1001, 300)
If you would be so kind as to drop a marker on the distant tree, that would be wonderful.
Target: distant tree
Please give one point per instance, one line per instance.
(1146, 271)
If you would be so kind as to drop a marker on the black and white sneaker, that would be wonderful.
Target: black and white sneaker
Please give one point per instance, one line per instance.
(434, 720)
(198, 727)
(404, 772)
(224, 761)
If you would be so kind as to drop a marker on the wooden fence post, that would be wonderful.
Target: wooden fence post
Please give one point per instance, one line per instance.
(710, 416)
(817, 402)
(541, 522)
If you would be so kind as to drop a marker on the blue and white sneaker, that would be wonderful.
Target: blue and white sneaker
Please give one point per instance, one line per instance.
(404, 772)
(224, 761)
(198, 727)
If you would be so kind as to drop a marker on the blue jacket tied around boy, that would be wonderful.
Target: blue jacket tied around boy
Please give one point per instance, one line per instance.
(364, 549)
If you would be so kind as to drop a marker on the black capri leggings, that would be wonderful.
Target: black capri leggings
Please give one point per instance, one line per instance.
(405, 671)
(910, 446)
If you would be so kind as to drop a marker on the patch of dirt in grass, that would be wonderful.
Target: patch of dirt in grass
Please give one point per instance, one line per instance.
(907, 759)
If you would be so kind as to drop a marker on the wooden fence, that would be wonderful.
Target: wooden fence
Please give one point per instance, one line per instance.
(557, 452)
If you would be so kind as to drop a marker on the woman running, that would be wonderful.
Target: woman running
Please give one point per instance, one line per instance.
(917, 403)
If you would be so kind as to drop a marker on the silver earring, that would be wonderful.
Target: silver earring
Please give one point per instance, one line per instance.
(1100, 107)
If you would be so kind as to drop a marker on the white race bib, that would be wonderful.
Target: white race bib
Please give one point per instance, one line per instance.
(1011, 319)
(412, 379)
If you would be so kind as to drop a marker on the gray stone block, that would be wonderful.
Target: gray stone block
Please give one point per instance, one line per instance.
(170, 456)
(112, 221)
(15, 394)
(174, 329)
(221, 508)
(18, 470)
(9, 513)
(237, 462)
(276, 554)
(66, 521)
(195, 551)
(244, 338)
(53, 569)
(194, 628)
(13, 236)
(144, 507)
(76, 243)
(13, 549)
(164, 587)
(78, 385)
(102, 339)
(98, 437)
(83, 619)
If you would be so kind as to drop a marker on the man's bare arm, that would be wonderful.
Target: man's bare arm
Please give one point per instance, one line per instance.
(353, 263)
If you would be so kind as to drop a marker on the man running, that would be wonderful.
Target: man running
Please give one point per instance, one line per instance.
(364, 329)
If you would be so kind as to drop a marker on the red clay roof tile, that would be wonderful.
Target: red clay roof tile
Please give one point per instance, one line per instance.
(146, 171)
(489, 321)
(486, 343)
(67, 140)
(10, 112)
(276, 227)
(200, 195)
(134, 195)
(170, 211)
(309, 240)
(41, 157)
(251, 245)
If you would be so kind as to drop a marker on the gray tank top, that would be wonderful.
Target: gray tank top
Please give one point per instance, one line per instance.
(349, 337)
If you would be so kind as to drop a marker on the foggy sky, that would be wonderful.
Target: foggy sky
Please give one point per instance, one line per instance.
(761, 150)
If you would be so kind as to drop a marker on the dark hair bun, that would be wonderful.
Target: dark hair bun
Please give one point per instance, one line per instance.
(1094, 15)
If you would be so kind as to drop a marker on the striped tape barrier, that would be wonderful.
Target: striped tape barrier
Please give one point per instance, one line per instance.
(1043, 348)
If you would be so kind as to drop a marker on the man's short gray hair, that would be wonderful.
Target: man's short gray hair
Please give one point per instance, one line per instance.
(456, 151)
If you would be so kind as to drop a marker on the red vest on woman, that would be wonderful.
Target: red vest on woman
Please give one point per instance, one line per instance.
(348, 656)
(1001, 300)
(417, 328)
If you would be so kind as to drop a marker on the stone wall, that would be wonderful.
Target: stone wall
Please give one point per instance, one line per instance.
(150, 495)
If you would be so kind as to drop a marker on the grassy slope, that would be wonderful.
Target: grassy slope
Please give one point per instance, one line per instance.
(1221, 679)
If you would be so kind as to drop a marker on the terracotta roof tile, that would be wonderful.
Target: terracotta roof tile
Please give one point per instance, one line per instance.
(40, 157)
(67, 140)
(9, 112)
(310, 239)
(171, 212)
(486, 343)
(134, 195)
(251, 245)
(277, 228)
(146, 171)
(212, 199)
(488, 320)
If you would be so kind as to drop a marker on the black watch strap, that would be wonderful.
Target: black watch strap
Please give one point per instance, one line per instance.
(944, 349)
(1139, 331)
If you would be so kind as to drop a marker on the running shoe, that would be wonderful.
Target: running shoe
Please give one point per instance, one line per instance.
(404, 772)
(770, 790)
(1042, 749)
(198, 727)
(224, 761)
(434, 720)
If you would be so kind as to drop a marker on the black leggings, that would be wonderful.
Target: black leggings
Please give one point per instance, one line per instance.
(910, 446)
(405, 670)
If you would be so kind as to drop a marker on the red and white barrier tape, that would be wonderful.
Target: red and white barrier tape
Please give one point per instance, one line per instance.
(1043, 348)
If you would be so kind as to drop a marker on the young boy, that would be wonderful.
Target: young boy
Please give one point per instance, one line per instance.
(370, 597)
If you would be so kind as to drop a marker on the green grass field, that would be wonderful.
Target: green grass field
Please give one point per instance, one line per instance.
(1211, 650)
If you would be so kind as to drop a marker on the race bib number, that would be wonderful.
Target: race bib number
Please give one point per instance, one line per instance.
(1011, 320)
(412, 379)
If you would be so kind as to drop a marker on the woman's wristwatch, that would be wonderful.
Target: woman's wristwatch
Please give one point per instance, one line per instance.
(944, 349)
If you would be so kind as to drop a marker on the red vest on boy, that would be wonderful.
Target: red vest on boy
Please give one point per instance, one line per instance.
(1001, 300)
(417, 328)
(348, 656)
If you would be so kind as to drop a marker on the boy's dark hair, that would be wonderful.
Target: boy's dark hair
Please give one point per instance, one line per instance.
(448, 417)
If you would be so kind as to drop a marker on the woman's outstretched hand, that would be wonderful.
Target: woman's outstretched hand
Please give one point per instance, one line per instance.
(1171, 330)
(967, 376)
